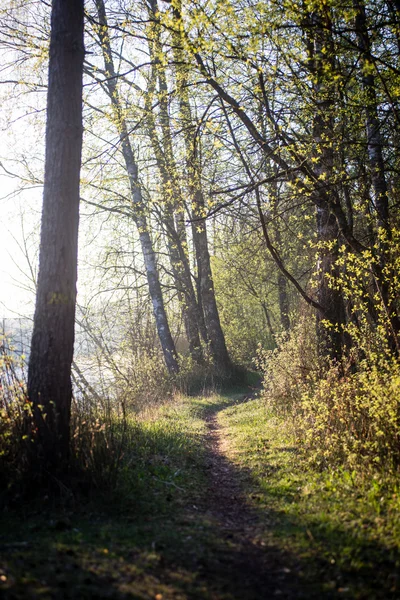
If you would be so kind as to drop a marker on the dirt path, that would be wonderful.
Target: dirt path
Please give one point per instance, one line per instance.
(208, 541)
(251, 567)
(202, 525)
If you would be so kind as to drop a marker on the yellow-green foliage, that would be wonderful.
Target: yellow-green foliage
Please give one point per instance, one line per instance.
(343, 414)
(241, 283)
(347, 412)
(372, 333)
(14, 412)
(355, 418)
(291, 368)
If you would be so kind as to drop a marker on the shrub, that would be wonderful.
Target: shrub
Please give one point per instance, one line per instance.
(354, 419)
(346, 413)
(291, 368)
(15, 411)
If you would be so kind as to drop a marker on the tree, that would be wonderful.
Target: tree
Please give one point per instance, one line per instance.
(149, 256)
(49, 375)
(313, 133)
(206, 291)
(173, 215)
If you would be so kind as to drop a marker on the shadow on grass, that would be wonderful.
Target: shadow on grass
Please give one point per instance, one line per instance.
(189, 533)
(231, 396)
(347, 560)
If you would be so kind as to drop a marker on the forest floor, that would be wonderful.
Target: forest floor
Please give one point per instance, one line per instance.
(215, 502)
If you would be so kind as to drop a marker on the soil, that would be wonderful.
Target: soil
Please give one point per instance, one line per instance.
(213, 546)
(249, 564)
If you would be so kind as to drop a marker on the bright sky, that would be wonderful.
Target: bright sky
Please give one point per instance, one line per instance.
(22, 118)
(16, 223)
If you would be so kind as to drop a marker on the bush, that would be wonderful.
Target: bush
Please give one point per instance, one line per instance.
(15, 412)
(346, 413)
(354, 419)
(291, 369)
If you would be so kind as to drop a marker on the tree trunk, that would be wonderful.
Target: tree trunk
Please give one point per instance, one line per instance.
(183, 246)
(321, 61)
(374, 140)
(283, 301)
(208, 302)
(172, 195)
(330, 336)
(283, 297)
(215, 334)
(49, 375)
(160, 315)
(184, 286)
(268, 321)
(377, 170)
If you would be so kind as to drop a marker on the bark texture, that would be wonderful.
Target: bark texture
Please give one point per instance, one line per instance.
(172, 194)
(283, 296)
(377, 171)
(374, 138)
(149, 256)
(49, 376)
(207, 300)
(322, 67)
(216, 338)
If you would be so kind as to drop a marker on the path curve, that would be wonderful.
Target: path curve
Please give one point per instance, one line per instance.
(259, 570)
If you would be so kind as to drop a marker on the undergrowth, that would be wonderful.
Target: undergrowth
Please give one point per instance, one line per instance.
(343, 525)
(110, 440)
(345, 413)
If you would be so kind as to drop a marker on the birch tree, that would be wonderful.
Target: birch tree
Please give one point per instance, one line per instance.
(149, 256)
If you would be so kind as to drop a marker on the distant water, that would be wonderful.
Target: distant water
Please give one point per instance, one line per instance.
(15, 341)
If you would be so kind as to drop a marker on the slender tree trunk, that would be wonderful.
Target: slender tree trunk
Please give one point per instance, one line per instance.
(377, 170)
(374, 139)
(268, 320)
(283, 301)
(183, 246)
(164, 332)
(160, 315)
(321, 61)
(283, 297)
(183, 284)
(208, 302)
(172, 194)
(49, 375)
(215, 334)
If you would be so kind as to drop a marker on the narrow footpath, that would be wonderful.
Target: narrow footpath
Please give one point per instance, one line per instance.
(213, 507)
(253, 569)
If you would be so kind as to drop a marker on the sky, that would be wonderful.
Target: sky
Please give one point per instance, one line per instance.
(15, 299)
(22, 130)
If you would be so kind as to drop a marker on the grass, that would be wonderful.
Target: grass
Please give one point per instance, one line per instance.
(145, 541)
(94, 550)
(155, 538)
(343, 529)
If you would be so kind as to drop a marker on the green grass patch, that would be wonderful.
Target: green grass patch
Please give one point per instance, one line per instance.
(147, 538)
(331, 534)
(116, 543)
(345, 530)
